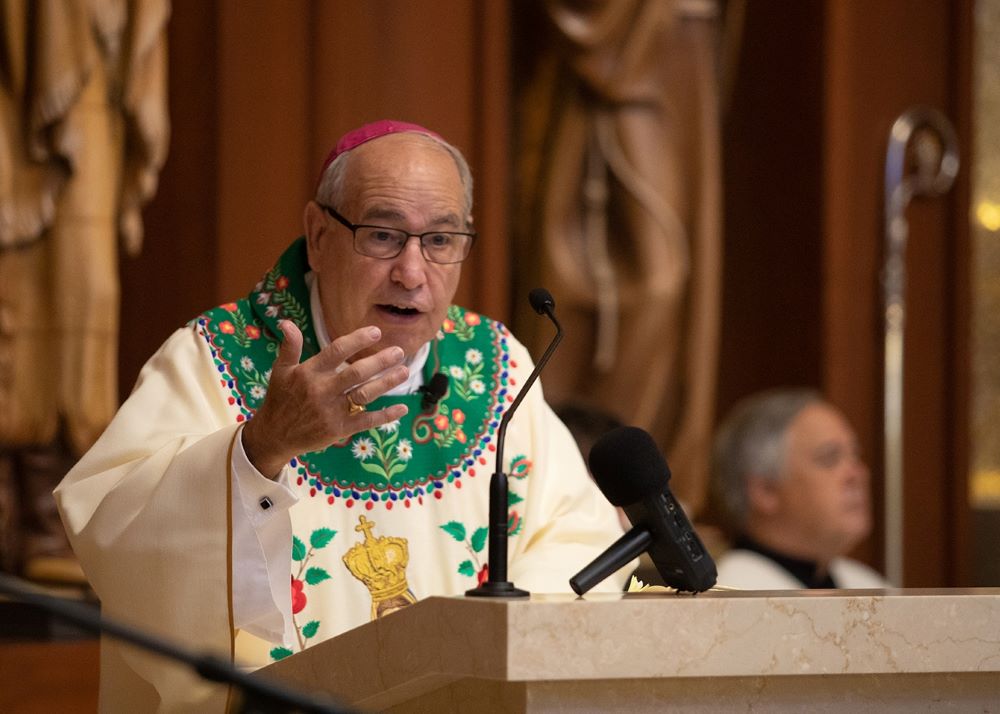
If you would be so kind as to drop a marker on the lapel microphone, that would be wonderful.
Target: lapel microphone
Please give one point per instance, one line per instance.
(433, 391)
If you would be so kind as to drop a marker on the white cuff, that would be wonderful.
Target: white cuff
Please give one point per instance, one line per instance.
(262, 552)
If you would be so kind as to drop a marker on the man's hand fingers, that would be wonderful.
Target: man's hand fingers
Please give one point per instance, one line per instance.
(373, 389)
(370, 420)
(291, 348)
(343, 348)
(371, 368)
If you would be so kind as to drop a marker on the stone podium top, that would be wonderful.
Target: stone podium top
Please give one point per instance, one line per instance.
(655, 636)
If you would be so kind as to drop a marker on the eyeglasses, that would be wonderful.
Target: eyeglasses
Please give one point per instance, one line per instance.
(385, 243)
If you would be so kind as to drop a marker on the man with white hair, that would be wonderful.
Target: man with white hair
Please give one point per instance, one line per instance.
(787, 473)
(281, 474)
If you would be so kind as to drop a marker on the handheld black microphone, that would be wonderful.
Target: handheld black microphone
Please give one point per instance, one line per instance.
(433, 391)
(496, 584)
(632, 474)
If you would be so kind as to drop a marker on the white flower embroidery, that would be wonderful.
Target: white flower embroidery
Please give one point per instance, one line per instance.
(246, 363)
(272, 310)
(267, 375)
(404, 449)
(456, 372)
(257, 391)
(477, 386)
(473, 356)
(262, 298)
(389, 427)
(362, 448)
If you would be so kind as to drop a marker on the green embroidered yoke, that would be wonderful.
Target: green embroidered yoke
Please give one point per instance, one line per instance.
(422, 454)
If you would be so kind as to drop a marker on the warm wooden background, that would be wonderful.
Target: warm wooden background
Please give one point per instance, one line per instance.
(261, 89)
(259, 95)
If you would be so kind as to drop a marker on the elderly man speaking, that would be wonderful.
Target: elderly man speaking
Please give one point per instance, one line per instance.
(280, 475)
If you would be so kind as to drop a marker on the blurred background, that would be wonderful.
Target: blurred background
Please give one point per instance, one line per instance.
(701, 185)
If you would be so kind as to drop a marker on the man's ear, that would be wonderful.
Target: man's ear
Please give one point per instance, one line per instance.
(763, 495)
(314, 221)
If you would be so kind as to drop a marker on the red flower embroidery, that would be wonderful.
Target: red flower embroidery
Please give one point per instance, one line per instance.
(298, 597)
(440, 422)
(227, 327)
(281, 283)
(513, 523)
(483, 575)
(230, 306)
(448, 325)
(471, 318)
(458, 416)
(253, 332)
(460, 436)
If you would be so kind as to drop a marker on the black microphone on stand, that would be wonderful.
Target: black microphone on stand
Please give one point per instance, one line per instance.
(632, 474)
(496, 583)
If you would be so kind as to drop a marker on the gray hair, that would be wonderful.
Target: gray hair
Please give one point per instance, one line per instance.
(331, 185)
(751, 442)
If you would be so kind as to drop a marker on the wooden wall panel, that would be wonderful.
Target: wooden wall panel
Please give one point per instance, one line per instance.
(818, 88)
(174, 278)
(263, 159)
(882, 58)
(772, 144)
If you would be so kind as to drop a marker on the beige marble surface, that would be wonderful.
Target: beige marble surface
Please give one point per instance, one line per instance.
(743, 640)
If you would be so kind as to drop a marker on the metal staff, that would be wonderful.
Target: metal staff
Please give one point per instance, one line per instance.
(931, 172)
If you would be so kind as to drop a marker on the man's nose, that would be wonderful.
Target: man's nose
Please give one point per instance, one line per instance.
(859, 469)
(410, 267)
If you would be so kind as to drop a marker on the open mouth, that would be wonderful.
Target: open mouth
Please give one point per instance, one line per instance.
(399, 310)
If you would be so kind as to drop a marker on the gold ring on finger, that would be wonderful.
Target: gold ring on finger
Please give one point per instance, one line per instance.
(352, 406)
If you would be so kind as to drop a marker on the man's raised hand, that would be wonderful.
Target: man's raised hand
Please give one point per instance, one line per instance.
(308, 405)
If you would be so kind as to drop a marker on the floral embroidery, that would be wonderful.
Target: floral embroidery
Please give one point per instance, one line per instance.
(457, 322)
(383, 453)
(449, 427)
(281, 302)
(474, 544)
(305, 577)
(425, 454)
(467, 380)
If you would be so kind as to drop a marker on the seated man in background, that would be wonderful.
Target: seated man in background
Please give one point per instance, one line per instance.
(787, 474)
(279, 475)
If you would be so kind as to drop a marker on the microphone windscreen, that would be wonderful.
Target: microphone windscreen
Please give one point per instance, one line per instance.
(540, 299)
(438, 385)
(628, 466)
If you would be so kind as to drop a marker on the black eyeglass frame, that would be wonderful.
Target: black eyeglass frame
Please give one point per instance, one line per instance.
(353, 228)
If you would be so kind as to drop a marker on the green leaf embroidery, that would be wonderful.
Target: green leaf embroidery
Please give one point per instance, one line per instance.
(371, 468)
(466, 568)
(280, 653)
(455, 529)
(298, 550)
(314, 576)
(310, 628)
(479, 538)
(513, 498)
(397, 469)
(321, 537)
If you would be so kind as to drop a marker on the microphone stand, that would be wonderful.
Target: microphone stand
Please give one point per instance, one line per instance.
(496, 584)
(258, 695)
